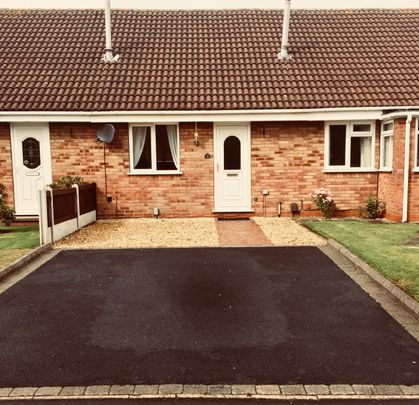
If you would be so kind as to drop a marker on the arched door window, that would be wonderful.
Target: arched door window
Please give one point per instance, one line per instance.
(31, 153)
(232, 155)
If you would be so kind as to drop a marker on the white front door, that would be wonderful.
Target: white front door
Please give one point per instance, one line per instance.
(31, 165)
(232, 168)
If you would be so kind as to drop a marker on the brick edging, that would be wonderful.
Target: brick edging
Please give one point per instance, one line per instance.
(24, 260)
(273, 391)
(396, 292)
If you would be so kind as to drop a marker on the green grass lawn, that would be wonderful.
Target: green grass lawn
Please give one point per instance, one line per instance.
(19, 241)
(380, 245)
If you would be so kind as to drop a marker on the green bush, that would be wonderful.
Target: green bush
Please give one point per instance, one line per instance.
(374, 208)
(67, 182)
(6, 213)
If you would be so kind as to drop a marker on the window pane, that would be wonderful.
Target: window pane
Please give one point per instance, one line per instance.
(232, 153)
(417, 149)
(388, 126)
(141, 143)
(337, 145)
(388, 151)
(362, 127)
(31, 153)
(361, 151)
(163, 151)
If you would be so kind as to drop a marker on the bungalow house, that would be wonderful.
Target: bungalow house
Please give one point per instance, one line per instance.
(209, 120)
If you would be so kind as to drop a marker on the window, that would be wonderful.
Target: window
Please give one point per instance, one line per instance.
(154, 149)
(349, 146)
(386, 145)
(232, 158)
(417, 145)
(31, 153)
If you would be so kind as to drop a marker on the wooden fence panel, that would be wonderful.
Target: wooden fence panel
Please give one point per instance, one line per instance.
(87, 198)
(65, 204)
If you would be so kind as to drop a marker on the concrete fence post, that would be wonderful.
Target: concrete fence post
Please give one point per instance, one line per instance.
(43, 217)
(76, 186)
(49, 190)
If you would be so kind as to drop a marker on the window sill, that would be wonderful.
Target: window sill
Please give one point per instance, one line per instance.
(157, 173)
(415, 170)
(384, 170)
(346, 170)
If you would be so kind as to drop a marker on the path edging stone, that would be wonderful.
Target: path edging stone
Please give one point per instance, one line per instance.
(23, 261)
(223, 391)
(391, 288)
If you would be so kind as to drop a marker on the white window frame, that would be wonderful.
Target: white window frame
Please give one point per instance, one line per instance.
(386, 134)
(416, 163)
(153, 170)
(349, 135)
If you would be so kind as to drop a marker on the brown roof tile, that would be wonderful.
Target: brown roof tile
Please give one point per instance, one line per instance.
(207, 60)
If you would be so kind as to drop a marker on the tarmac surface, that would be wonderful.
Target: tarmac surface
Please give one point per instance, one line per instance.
(198, 316)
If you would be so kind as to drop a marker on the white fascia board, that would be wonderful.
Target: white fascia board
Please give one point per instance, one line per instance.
(400, 114)
(325, 114)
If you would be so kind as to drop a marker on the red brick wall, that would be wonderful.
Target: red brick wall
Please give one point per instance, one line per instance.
(75, 151)
(288, 160)
(6, 169)
(391, 184)
(413, 213)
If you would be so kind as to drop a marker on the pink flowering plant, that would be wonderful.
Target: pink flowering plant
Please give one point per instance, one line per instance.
(324, 202)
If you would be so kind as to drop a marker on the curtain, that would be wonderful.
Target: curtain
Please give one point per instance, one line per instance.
(173, 143)
(138, 142)
(365, 152)
(388, 151)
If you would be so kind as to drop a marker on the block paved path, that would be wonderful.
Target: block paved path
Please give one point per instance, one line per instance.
(209, 402)
(241, 233)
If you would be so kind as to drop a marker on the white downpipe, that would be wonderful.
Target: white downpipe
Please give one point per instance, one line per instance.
(109, 55)
(284, 55)
(406, 168)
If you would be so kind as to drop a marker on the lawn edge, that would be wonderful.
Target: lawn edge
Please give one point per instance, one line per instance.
(410, 303)
(23, 261)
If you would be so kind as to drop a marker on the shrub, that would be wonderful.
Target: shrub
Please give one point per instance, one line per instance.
(67, 181)
(324, 202)
(6, 213)
(374, 208)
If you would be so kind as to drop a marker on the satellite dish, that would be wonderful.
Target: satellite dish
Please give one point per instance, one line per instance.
(106, 133)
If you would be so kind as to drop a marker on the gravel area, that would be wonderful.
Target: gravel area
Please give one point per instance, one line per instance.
(143, 233)
(287, 232)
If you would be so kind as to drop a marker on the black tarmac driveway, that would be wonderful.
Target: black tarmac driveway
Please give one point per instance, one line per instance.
(240, 315)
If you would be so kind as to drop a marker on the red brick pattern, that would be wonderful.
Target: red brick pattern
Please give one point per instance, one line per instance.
(287, 160)
(413, 213)
(391, 184)
(6, 168)
(207, 60)
(75, 151)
